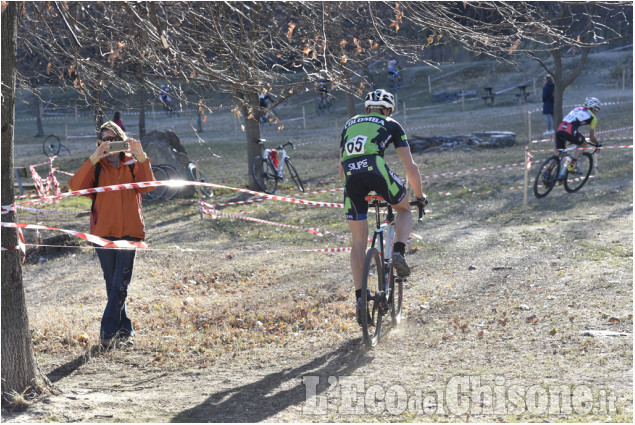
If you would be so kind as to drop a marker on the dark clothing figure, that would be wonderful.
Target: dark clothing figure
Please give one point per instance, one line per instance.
(547, 104)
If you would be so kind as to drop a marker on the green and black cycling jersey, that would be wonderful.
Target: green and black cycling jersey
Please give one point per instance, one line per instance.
(363, 143)
(370, 134)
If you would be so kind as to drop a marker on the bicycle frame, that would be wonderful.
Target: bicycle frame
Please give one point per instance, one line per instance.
(268, 154)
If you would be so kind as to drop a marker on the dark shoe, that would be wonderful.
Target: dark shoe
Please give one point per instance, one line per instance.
(399, 263)
(358, 314)
(124, 341)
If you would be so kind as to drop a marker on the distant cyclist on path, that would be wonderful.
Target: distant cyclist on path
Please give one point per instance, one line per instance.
(362, 169)
(568, 128)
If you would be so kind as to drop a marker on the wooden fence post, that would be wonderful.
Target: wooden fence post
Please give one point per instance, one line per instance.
(526, 177)
(303, 118)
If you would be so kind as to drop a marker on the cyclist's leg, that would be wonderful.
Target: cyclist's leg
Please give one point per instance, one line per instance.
(356, 209)
(393, 191)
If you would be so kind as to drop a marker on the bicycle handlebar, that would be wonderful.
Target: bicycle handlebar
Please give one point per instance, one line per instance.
(380, 202)
(262, 142)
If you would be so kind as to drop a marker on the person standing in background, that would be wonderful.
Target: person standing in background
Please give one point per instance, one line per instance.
(117, 120)
(547, 104)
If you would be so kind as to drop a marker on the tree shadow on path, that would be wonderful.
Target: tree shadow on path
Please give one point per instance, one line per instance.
(262, 399)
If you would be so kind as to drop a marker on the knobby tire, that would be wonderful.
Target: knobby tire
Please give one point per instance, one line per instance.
(264, 174)
(583, 167)
(159, 191)
(371, 287)
(547, 176)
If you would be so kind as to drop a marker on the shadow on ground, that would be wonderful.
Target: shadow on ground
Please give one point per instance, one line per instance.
(262, 399)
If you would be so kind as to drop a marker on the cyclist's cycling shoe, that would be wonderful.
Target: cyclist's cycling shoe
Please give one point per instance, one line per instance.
(399, 263)
(358, 314)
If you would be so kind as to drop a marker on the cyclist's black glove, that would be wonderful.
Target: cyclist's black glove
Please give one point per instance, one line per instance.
(423, 201)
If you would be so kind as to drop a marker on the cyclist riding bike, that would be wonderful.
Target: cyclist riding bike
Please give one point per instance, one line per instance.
(362, 170)
(568, 128)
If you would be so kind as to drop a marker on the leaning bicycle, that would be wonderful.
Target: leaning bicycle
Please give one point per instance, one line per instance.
(572, 173)
(52, 146)
(267, 170)
(382, 289)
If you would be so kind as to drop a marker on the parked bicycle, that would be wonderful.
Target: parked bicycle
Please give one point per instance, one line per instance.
(267, 170)
(52, 146)
(383, 293)
(163, 172)
(563, 168)
(325, 103)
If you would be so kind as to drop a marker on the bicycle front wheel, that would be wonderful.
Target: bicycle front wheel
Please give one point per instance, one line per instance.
(294, 175)
(159, 191)
(372, 285)
(574, 180)
(547, 176)
(265, 174)
(173, 174)
(196, 176)
(51, 145)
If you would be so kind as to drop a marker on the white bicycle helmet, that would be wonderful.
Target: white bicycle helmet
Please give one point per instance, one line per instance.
(592, 103)
(380, 98)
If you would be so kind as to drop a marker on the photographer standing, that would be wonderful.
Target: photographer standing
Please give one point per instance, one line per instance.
(115, 215)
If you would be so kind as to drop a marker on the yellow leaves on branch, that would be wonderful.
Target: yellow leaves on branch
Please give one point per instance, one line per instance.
(344, 59)
(398, 18)
(515, 46)
(115, 53)
(373, 44)
(343, 43)
(358, 50)
(430, 40)
(290, 32)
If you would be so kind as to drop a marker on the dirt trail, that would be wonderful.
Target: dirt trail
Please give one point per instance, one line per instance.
(498, 300)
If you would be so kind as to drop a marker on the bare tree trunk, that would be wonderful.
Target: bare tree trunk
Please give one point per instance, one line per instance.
(142, 106)
(20, 373)
(38, 115)
(250, 105)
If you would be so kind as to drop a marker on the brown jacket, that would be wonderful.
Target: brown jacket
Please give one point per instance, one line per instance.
(116, 213)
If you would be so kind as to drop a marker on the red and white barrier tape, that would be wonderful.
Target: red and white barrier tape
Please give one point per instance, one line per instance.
(586, 149)
(6, 209)
(178, 183)
(86, 236)
(209, 210)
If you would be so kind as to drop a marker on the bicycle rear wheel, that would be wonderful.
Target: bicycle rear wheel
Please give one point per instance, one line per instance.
(196, 176)
(319, 107)
(573, 181)
(294, 175)
(265, 174)
(547, 176)
(51, 145)
(396, 297)
(173, 174)
(372, 286)
(159, 191)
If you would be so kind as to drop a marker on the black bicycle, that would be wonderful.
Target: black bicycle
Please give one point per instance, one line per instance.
(563, 168)
(52, 146)
(382, 290)
(267, 169)
(325, 103)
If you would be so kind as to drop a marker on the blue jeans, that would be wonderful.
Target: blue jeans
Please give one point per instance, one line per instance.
(549, 122)
(117, 267)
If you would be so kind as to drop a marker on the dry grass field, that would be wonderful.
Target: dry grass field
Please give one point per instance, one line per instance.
(236, 321)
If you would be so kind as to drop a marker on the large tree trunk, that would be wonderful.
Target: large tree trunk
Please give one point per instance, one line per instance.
(19, 369)
(250, 110)
(38, 115)
(350, 105)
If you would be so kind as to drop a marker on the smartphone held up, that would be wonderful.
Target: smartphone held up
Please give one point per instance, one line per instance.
(121, 146)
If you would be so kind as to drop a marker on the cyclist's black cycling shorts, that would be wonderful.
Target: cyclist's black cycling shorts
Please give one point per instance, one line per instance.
(365, 174)
(562, 137)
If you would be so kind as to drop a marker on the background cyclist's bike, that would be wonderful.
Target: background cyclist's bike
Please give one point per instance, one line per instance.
(52, 146)
(325, 103)
(382, 290)
(562, 168)
(267, 169)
